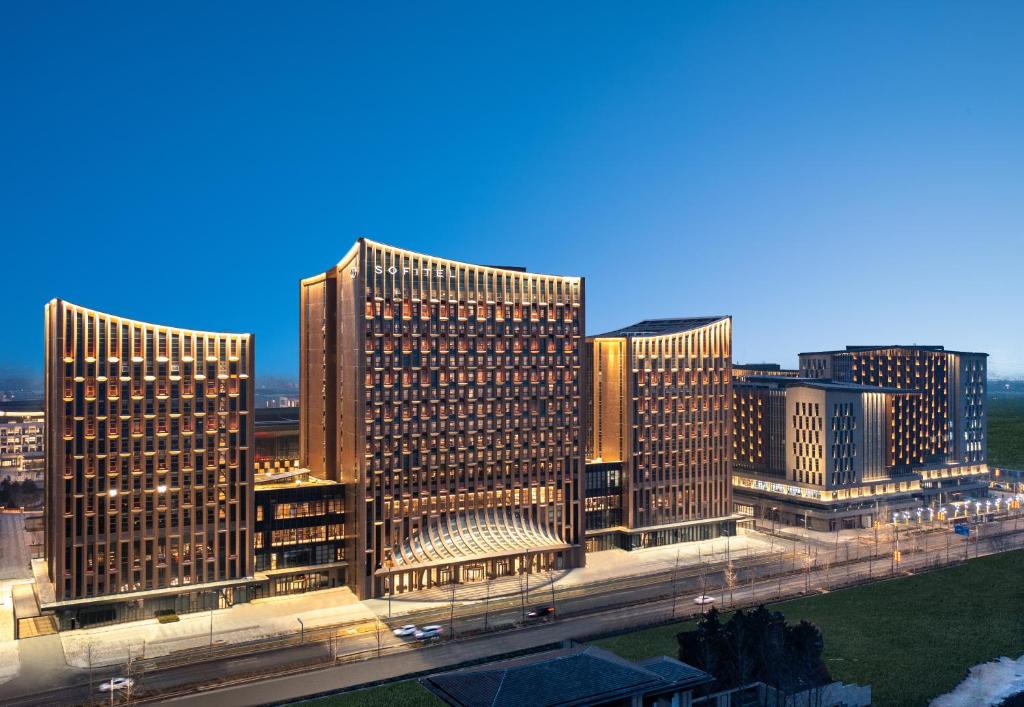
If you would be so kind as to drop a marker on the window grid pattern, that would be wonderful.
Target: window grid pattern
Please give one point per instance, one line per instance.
(148, 469)
(459, 406)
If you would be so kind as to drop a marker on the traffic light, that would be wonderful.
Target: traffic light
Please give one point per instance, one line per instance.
(896, 555)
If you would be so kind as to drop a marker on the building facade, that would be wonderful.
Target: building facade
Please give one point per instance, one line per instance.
(814, 453)
(945, 424)
(299, 535)
(22, 445)
(149, 495)
(277, 439)
(446, 398)
(661, 410)
(866, 432)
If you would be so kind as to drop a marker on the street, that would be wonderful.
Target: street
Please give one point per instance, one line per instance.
(485, 628)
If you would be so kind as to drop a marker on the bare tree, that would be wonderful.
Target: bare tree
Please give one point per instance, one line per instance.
(730, 581)
(451, 611)
(551, 580)
(675, 573)
(522, 594)
(703, 579)
(487, 599)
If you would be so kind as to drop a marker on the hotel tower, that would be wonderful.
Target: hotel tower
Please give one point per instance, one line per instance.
(148, 473)
(659, 448)
(446, 398)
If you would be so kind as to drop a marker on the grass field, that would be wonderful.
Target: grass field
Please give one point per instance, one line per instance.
(399, 694)
(911, 639)
(1006, 431)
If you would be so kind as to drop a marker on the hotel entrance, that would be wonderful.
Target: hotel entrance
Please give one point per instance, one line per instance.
(474, 573)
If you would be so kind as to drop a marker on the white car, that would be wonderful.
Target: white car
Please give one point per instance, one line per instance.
(428, 632)
(407, 630)
(116, 684)
(703, 599)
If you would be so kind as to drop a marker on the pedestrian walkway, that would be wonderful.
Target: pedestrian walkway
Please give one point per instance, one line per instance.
(604, 566)
(38, 663)
(9, 655)
(259, 619)
(280, 616)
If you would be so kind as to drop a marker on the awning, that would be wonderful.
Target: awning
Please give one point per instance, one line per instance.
(470, 535)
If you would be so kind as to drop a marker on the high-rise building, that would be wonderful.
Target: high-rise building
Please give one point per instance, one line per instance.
(660, 433)
(149, 495)
(445, 397)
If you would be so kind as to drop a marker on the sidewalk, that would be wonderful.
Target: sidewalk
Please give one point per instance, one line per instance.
(279, 616)
(10, 661)
(604, 566)
(259, 619)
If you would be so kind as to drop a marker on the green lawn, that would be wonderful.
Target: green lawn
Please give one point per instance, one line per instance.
(911, 639)
(1006, 431)
(408, 693)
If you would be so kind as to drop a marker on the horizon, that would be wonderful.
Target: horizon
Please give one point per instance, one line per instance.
(826, 178)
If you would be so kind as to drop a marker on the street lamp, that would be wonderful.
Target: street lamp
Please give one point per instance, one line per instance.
(213, 605)
(302, 630)
(389, 562)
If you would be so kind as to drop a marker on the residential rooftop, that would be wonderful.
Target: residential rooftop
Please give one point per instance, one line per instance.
(884, 347)
(661, 327)
(579, 675)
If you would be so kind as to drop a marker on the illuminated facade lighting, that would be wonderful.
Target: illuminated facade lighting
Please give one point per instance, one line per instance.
(446, 398)
(860, 431)
(661, 399)
(148, 468)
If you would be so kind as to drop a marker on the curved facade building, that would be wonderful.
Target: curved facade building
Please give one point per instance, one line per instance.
(148, 483)
(446, 397)
(660, 442)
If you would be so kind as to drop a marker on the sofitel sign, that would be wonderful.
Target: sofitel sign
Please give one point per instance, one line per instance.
(393, 270)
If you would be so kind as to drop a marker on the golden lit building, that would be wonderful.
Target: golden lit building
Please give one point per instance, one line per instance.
(149, 494)
(813, 452)
(742, 370)
(659, 448)
(946, 424)
(22, 445)
(446, 398)
(863, 433)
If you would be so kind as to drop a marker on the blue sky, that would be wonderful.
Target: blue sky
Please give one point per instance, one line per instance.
(827, 173)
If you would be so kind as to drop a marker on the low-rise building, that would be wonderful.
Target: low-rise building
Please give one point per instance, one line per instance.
(578, 675)
(22, 445)
(299, 534)
(828, 455)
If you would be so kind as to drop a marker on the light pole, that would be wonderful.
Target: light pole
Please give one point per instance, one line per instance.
(213, 605)
(389, 562)
(487, 599)
(529, 568)
(302, 630)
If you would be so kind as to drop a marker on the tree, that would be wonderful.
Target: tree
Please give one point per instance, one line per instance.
(756, 646)
(730, 582)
